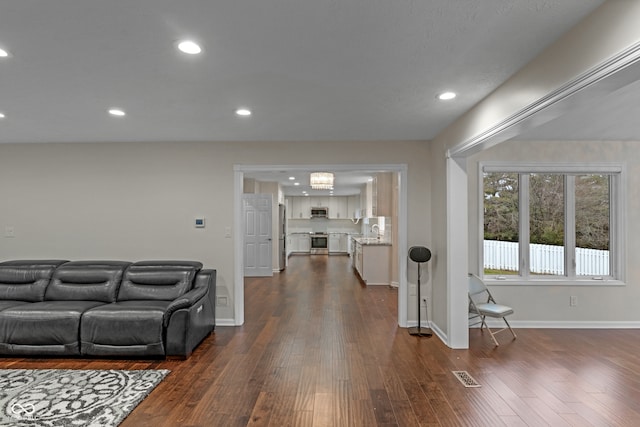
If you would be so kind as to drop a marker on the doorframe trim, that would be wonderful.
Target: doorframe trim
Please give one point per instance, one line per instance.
(238, 179)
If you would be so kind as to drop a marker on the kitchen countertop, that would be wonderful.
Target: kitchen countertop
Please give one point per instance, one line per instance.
(328, 232)
(371, 241)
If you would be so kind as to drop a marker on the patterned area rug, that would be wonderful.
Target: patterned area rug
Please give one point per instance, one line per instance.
(69, 397)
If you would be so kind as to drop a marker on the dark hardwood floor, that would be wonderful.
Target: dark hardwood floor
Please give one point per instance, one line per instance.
(320, 349)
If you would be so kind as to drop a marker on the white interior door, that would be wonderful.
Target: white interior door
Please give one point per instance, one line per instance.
(256, 213)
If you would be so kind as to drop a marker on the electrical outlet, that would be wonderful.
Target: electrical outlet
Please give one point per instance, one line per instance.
(413, 290)
(9, 231)
(573, 301)
(222, 301)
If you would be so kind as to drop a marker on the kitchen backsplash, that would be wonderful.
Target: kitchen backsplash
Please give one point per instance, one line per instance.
(322, 225)
(365, 226)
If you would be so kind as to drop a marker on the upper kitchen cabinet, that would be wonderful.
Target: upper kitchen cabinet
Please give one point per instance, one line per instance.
(382, 194)
(320, 202)
(338, 207)
(353, 205)
(300, 208)
(378, 195)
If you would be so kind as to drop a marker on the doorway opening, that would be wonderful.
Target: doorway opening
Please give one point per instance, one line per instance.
(401, 205)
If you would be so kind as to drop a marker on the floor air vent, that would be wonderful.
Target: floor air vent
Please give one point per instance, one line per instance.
(466, 379)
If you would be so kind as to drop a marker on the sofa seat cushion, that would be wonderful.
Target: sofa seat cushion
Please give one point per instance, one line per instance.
(47, 327)
(125, 327)
(10, 303)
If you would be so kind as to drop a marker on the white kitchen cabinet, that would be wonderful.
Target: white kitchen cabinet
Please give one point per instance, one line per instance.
(339, 207)
(290, 245)
(319, 201)
(304, 243)
(300, 242)
(353, 204)
(350, 245)
(357, 257)
(338, 243)
(334, 243)
(344, 243)
(372, 263)
(289, 208)
(301, 207)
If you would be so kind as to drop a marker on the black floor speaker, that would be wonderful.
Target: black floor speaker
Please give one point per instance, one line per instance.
(419, 255)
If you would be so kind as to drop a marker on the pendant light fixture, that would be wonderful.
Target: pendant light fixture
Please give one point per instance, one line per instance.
(321, 180)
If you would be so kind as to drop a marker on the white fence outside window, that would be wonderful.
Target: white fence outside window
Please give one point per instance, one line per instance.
(544, 259)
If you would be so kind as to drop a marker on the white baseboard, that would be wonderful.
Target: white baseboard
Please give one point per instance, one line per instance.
(225, 322)
(429, 325)
(439, 333)
(394, 284)
(569, 324)
(533, 324)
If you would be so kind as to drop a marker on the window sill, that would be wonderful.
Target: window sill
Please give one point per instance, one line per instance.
(518, 281)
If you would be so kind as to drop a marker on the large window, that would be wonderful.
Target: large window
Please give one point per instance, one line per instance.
(550, 222)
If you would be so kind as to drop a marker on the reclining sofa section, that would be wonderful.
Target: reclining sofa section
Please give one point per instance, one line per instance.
(105, 308)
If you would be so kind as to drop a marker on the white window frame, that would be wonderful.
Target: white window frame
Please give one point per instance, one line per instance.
(617, 203)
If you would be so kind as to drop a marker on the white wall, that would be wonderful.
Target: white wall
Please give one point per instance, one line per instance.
(138, 201)
(526, 99)
(549, 305)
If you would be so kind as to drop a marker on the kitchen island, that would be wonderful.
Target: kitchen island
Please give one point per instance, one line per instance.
(371, 258)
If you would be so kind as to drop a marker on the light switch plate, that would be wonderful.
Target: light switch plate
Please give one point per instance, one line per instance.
(9, 231)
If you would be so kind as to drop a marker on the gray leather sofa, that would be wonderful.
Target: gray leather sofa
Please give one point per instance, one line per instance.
(105, 308)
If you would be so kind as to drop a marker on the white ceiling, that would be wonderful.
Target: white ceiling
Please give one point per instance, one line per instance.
(309, 69)
(346, 183)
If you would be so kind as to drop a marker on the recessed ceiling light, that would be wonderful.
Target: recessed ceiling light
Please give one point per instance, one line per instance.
(296, 183)
(292, 178)
(445, 96)
(3, 53)
(243, 112)
(190, 47)
(2, 116)
(116, 112)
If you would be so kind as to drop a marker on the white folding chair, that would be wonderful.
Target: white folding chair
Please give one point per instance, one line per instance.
(482, 304)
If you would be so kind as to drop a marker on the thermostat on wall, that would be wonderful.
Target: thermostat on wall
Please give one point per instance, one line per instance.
(199, 222)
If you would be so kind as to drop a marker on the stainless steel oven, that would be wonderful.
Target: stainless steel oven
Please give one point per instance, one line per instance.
(319, 244)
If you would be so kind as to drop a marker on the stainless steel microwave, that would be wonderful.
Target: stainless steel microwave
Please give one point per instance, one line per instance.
(319, 212)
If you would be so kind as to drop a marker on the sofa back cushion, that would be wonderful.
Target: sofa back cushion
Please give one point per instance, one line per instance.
(158, 280)
(86, 281)
(26, 280)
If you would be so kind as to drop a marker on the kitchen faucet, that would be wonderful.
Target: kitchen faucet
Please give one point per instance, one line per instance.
(376, 228)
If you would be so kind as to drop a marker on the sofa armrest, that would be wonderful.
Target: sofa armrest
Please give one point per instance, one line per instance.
(185, 301)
